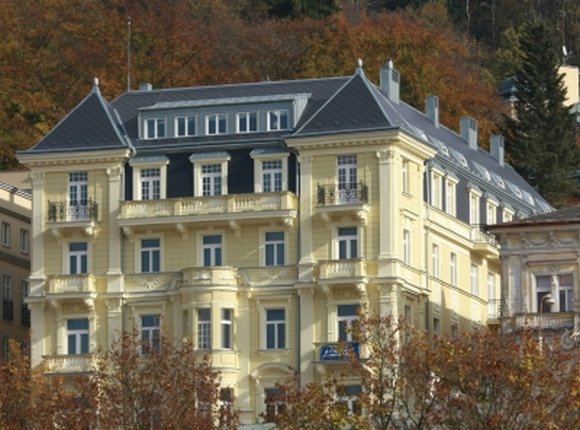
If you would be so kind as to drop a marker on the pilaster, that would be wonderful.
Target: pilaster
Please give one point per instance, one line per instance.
(307, 352)
(388, 215)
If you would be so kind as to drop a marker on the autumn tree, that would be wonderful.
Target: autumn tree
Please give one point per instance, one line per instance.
(540, 139)
(155, 385)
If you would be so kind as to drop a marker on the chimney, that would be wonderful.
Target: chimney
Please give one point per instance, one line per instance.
(432, 109)
(496, 148)
(468, 130)
(146, 87)
(390, 81)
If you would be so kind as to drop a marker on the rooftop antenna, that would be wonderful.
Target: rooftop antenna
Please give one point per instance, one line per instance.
(129, 53)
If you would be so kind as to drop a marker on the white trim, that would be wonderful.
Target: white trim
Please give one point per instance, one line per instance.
(336, 241)
(200, 237)
(264, 306)
(138, 239)
(139, 164)
(259, 158)
(220, 158)
(262, 232)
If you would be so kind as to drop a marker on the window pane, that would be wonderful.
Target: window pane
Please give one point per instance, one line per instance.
(275, 314)
(72, 344)
(270, 336)
(281, 335)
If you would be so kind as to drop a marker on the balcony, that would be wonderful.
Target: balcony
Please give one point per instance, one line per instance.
(70, 363)
(269, 276)
(142, 282)
(334, 199)
(72, 285)
(230, 208)
(484, 243)
(493, 310)
(341, 271)
(209, 276)
(63, 216)
(548, 321)
(339, 351)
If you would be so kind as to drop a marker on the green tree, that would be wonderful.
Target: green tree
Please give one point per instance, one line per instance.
(540, 139)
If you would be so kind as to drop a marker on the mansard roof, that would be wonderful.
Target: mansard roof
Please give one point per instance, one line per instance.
(570, 215)
(91, 125)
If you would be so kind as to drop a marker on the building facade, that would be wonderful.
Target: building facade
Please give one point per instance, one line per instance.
(540, 266)
(258, 219)
(15, 212)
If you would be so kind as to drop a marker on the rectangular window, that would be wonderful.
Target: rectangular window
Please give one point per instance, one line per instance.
(405, 176)
(150, 255)
(151, 184)
(560, 287)
(24, 241)
(348, 395)
(347, 316)
(247, 122)
(278, 120)
(5, 234)
(78, 336)
(435, 260)
(215, 123)
(227, 316)
(406, 247)
(274, 248)
(474, 280)
(185, 126)
(7, 303)
(436, 190)
(78, 196)
(78, 258)
(24, 311)
(204, 328)
(347, 177)
(473, 209)
(450, 197)
(150, 333)
(211, 178)
(272, 175)
(436, 326)
(491, 213)
(507, 216)
(347, 243)
(274, 403)
(212, 250)
(275, 328)
(453, 269)
(154, 128)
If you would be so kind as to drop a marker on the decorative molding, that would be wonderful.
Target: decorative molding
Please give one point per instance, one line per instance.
(182, 230)
(235, 226)
(115, 305)
(385, 155)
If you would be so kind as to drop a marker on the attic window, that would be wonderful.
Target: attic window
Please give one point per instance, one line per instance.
(278, 120)
(498, 180)
(215, 123)
(154, 128)
(528, 197)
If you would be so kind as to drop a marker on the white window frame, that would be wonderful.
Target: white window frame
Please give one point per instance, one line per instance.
(204, 329)
(435, 261)
(78, 334)
(507, 215)
(5, 234)
(158, 124)
(276, 324)
(346, 177)
(474, 279)
(212, 247)
(474, 207)
(77, 197)
(350, 399)
(189, 121)
(218, 119)
(24, 238)
(139, 252)
(406, 247)
(275, 243)
(78, 255)
(227, 328)
(139, 164)
(248, 117)
(274, 119)
(437, 188)
(259, 159)
(348, 321)
(152, 340)
(198, 164)
(451, 195)
(453, 268)
(150, 183)
(555, 288)
(491, 211)
(347, 239)
(6, 287)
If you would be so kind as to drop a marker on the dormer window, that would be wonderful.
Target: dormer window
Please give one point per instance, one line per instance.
(270, 170)
(154, 128)
(278, 120)
(215, 123)
(247, 122)
(149, 177)
(185, 126)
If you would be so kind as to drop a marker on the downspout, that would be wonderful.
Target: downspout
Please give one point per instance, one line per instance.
(427, 229)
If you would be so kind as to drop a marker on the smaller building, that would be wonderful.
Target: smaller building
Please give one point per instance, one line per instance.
(15, 211)
(540, 267)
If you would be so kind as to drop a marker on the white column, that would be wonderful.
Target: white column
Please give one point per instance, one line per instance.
(37, 332)
(114, 282)
(242, 344)
(388, 216)
(306, 202)
(38, 221)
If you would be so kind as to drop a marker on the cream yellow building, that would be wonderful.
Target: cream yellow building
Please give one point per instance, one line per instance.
(257, 219)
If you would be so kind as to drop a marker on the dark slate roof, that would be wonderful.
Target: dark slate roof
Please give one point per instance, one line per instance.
(353, 107)
(91, 125)
(569, 215)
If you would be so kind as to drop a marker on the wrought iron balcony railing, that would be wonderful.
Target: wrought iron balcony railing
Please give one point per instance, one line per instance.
(479, 234)
(63, 211)
(334, 194)
(339, 351)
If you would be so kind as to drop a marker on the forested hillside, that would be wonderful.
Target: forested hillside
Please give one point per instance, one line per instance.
(50, 50)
